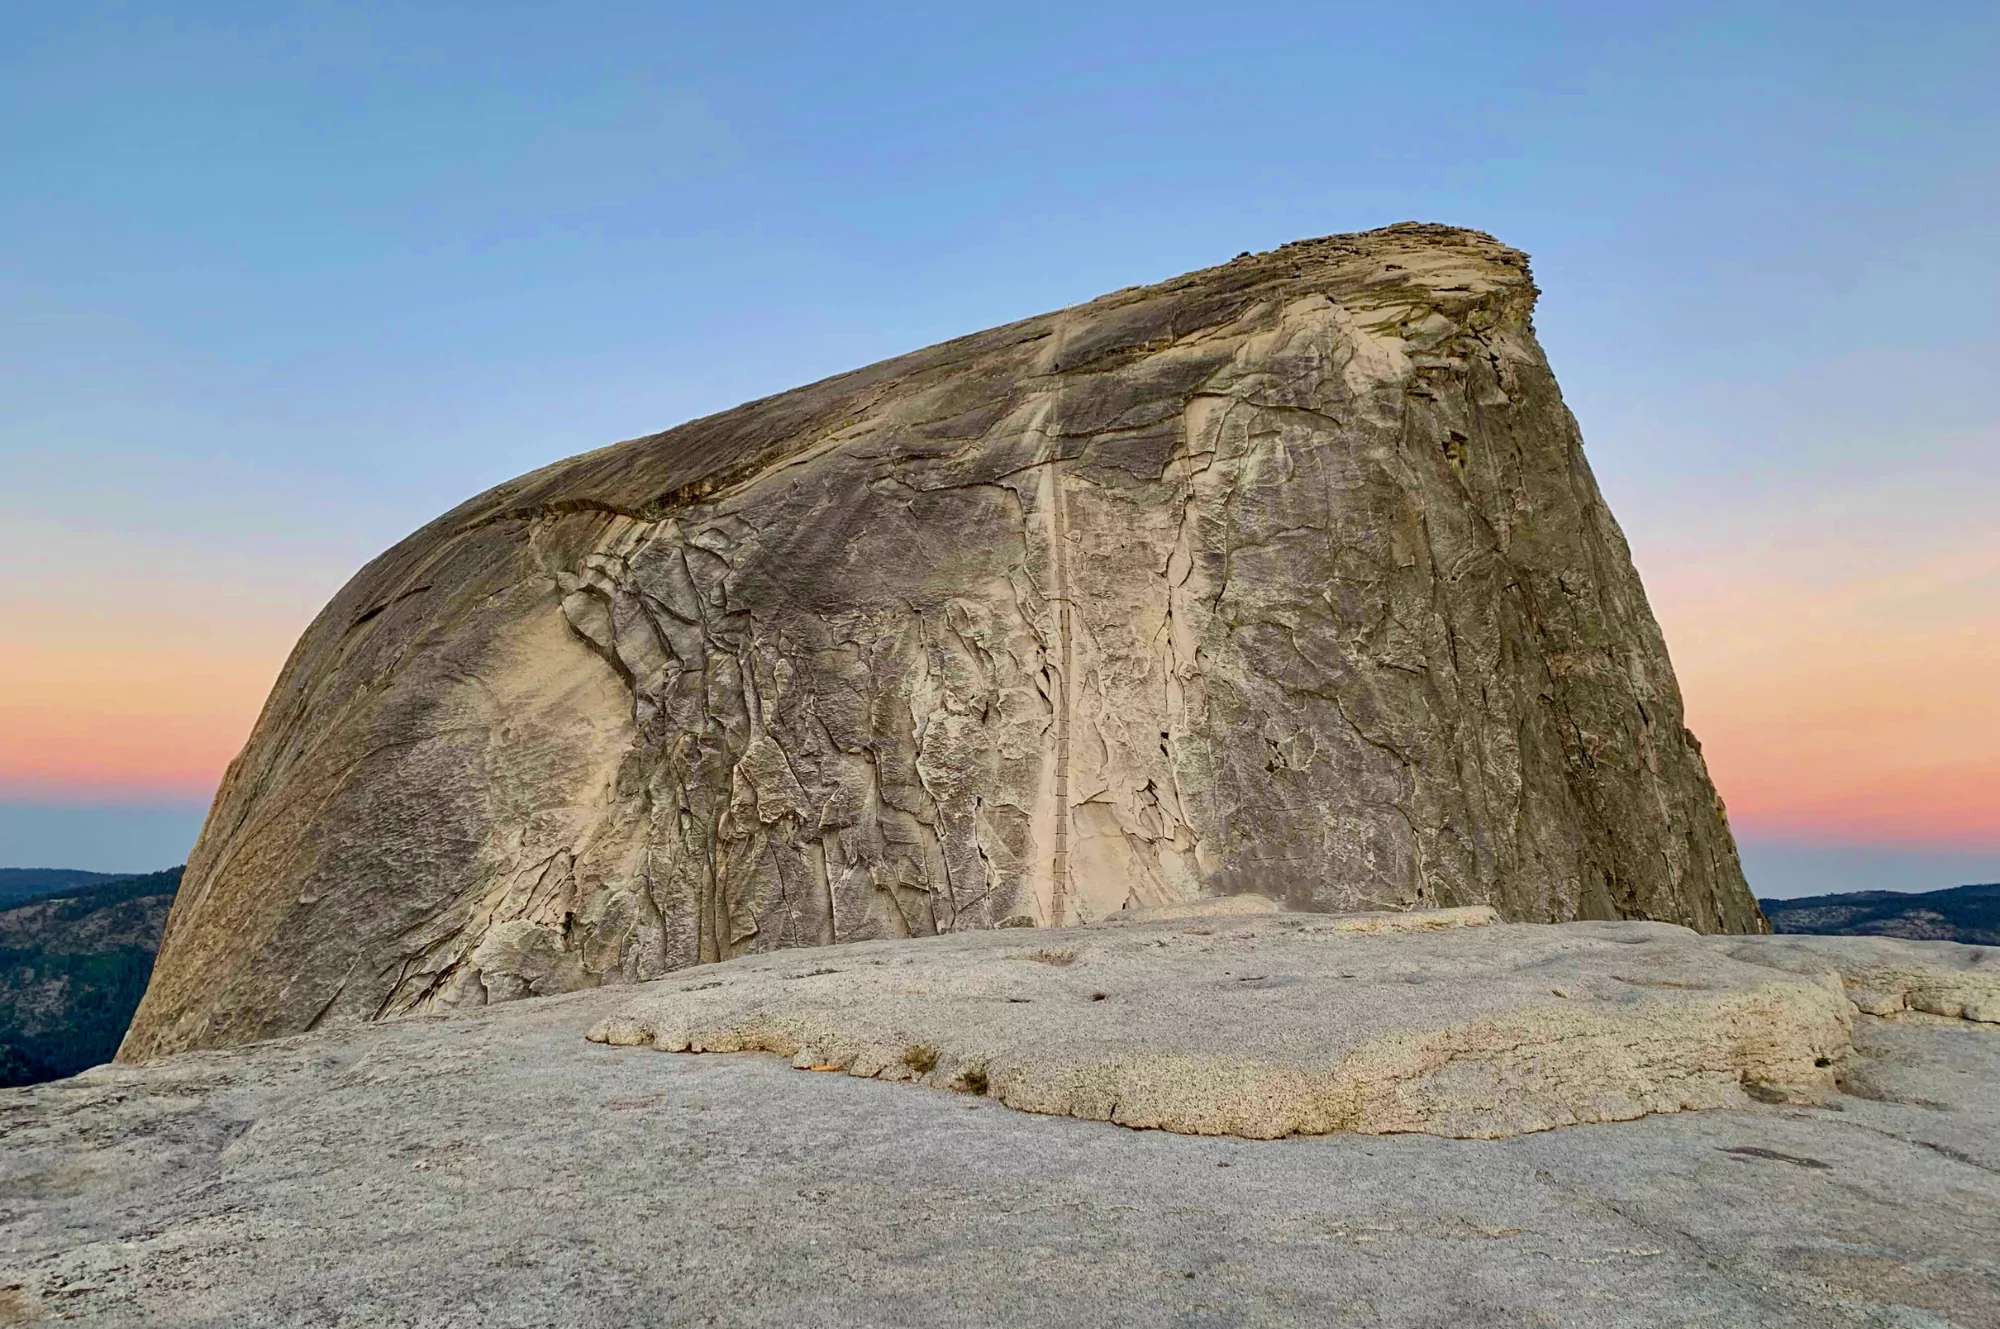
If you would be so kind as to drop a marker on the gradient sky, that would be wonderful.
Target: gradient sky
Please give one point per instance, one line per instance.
(280, 282)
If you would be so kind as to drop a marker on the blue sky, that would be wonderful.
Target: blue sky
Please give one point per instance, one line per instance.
(280, 282)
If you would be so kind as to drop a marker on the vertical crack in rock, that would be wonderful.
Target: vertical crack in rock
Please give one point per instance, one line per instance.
(1286, 577)
(1059, 870)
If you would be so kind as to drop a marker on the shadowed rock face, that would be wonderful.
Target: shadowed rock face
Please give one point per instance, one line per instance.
(1286, 576)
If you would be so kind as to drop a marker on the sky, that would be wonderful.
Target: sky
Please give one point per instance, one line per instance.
(280, 282)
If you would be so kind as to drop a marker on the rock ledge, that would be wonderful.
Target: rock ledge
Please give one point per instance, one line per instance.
(1298, 1024)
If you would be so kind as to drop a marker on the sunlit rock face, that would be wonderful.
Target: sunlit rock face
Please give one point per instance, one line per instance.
(1287, 576)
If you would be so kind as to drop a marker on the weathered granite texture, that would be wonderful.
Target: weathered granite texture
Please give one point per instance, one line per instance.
(498, 1170)
(1432, 1021)
(1286, 576)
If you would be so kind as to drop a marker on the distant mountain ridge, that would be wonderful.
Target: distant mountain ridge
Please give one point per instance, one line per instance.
(74, 961)
(1968, 914)
(19, 885)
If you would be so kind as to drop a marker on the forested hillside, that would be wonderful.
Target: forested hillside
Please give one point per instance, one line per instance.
(73, 966)
(18, 885)
(1963, 913)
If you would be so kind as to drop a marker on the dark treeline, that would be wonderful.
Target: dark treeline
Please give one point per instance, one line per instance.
(19, 885)
(1969, 914)
(74, 961)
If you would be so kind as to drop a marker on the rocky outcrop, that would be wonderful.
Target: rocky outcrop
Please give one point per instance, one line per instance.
(1435, 1021)
(1287, 576)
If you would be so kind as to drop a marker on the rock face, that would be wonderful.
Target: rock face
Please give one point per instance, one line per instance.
(1286, 576)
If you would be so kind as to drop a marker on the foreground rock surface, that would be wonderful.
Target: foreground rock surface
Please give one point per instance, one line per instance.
(499, 1170)
(1285, 576)
(1441, 1022)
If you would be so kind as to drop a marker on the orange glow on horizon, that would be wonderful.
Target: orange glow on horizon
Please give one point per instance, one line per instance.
(1862, 709)
(156, 721)
(1859, 709)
